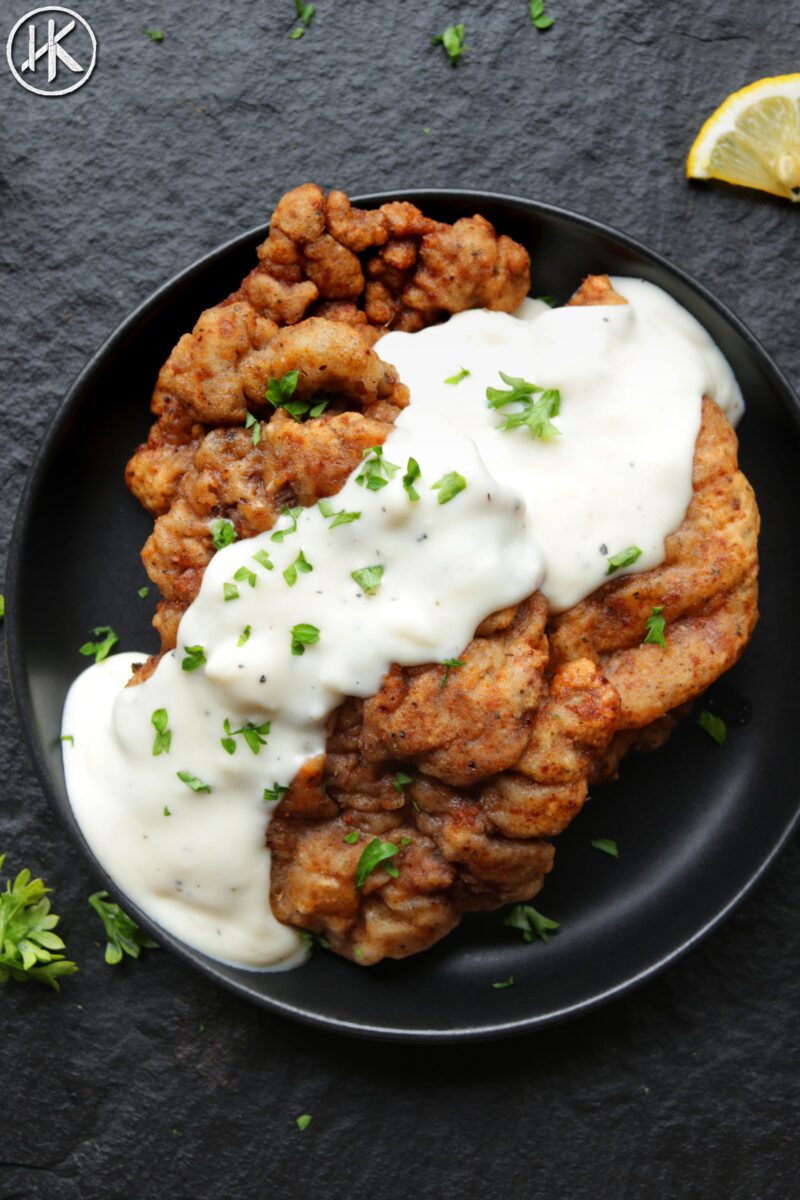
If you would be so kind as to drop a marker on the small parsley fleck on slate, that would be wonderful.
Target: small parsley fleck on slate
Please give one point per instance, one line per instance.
(453, 41)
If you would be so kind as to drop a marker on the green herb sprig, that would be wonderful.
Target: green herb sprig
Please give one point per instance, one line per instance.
(536, 406)
(452, 39)
(376, 470)
(29, 949)
(373, 854)
(531, 924)
(123, 934)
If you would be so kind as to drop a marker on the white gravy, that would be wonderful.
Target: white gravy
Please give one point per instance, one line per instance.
(533, 514)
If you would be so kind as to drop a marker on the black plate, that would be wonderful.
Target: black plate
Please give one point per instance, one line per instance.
(696, 824)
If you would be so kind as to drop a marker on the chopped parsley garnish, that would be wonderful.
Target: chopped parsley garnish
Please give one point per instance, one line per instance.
(101, 648)
(313, 941)
(193, 782)
(254, 735)
(352, 837)
(253, 423)
(29, 949)
(368, 579)
(292, 514)
(124, 935)
(339, 518)
(412, 474)
(305, 12)
(263, 560)
(222, 532)
(550, 301)
(373, 854)
(404, 841)
(462, 374)
(300, 564)
(230, 591)
(401, 781)
(279, 395)
(655, 626)
(2, 607)
(166, 812)
(449, 486)
(302, 636)
(533, 414)
(275, 793)
(163, 738)
(714, 726)
(449, 664)
(304, 1120)
(67, 737)
(607, 846)
(504, 983)
(143, 593)
(155, 35)
(376, 470)
(244, 635)
(625, 558)
(539, 17)
(453, 41)
(195, 657)
(245, 575)
(532, 924)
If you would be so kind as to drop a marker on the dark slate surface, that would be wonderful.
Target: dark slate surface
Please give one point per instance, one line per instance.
(145, 1080)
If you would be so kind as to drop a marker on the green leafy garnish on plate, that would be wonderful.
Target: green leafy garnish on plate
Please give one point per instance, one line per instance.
(123, 934)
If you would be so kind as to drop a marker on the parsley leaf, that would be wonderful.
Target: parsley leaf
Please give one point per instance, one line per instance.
(254, 735)
(313, 941)
(376, 470)
(449, 664)
(124, 935)
(300, 564)
(264, 560)
(607, 846)
(244, 635)
(401, 781)
(714, 726)
(230, 591)
(449, 486)
(550, 301)
(253, 423)
(538, 16)
(67, 737)
(352, 837)
(2, 607)
(297, 33)
(29, 949)
(368, 579)
(292, 514)
(304, 1120)
(155, 35)
(166, 812)
(504, 983)
(655, 626)
(532, 924)
(373, 854)
(412, 473)
(245, 575)
(302, 636)
(304, 11)
(163, 738)
(462, 374)
(100, 649)
(222, 532)
(195, 657)
(280, 391)
(625, 558)
(143, 593)
(532, 414)
(193, 782)
(339, 518)
(453, 41)
(275, 793)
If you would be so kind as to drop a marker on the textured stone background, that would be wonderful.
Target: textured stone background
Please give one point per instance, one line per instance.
(687, 1088)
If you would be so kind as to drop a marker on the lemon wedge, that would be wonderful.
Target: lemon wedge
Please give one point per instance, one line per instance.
(753, 139)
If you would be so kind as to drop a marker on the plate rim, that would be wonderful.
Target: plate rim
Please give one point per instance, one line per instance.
(15, 658)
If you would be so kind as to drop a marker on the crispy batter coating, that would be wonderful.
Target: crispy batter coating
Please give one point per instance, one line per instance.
(309, 265)
(472, 775)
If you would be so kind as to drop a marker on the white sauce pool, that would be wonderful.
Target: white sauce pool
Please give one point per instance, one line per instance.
(534, 514)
